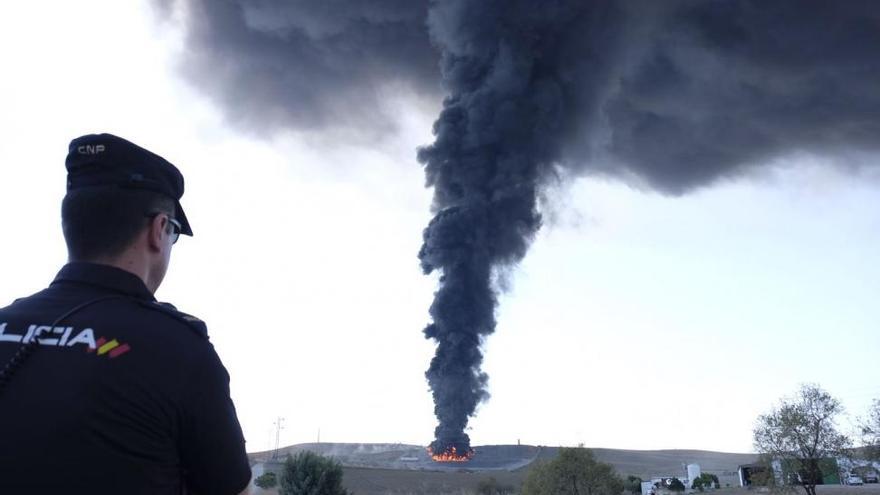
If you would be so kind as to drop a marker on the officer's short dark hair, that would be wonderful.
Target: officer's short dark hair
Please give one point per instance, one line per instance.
(103, 222)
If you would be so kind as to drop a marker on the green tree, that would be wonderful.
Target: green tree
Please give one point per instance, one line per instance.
(575, 471)
(633, 484)
(870, 427)
(675, 485)
(308, 473)
(266, 480)
(801, 432)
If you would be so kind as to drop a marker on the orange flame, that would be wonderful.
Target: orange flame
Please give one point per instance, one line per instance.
(451, 455)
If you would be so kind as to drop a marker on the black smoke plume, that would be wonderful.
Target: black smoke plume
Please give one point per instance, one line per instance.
(498, 136)
(670, 95)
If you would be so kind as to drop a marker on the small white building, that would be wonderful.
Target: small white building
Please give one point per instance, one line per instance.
(693, 472)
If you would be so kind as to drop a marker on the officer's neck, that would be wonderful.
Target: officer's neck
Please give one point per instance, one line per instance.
(140, 264)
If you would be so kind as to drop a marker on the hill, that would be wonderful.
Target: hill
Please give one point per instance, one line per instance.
(401, 468)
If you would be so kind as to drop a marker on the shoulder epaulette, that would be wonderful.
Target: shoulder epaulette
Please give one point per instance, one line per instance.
(196, 325)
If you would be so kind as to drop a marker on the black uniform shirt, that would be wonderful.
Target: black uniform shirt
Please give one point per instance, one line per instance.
(125, 396)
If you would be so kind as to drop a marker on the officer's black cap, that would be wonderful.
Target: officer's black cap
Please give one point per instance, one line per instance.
(105, 160)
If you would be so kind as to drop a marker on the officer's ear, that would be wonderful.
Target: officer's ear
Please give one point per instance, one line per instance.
(157, 232)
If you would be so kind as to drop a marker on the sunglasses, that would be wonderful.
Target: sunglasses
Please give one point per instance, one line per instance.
(176, 227)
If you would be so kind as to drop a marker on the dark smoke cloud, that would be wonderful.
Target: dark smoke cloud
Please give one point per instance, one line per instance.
(672, 95)
(675, 93)
(305, 64)
(722, 85)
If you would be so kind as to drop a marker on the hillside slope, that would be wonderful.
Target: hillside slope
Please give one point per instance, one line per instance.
(643, 463)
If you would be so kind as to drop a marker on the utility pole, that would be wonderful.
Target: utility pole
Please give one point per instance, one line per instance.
(278, 426)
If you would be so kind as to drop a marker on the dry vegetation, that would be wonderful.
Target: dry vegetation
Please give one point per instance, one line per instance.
(395, 482)
(362, 481)
(379, 480)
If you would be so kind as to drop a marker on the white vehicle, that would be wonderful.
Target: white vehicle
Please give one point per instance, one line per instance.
(854, 480)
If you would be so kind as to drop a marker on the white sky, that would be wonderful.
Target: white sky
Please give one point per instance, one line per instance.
(636, 321)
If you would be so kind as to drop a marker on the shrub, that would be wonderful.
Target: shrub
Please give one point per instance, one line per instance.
(706, 480)
(492, 487)
(633, 484)
(675, 485)
(266, 480)
(308, 473)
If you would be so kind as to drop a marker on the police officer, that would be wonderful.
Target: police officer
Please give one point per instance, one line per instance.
(104, 390)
